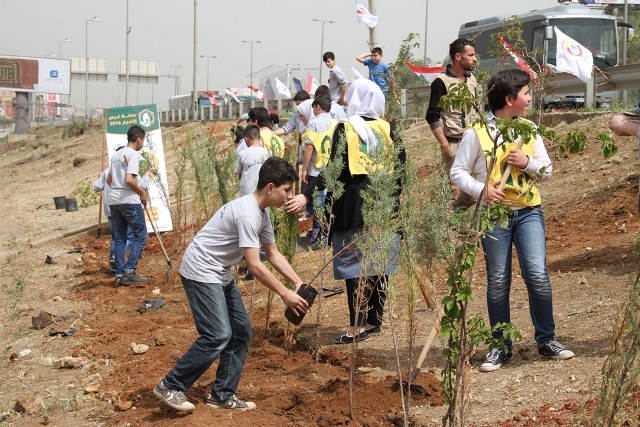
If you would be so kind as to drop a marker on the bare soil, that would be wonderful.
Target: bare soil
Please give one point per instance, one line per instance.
(591, 209)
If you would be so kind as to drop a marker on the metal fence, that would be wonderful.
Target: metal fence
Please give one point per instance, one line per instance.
(283, 107)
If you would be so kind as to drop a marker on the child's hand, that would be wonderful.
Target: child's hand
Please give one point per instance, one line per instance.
(295, 204)
(516, 157)
(295, 302)
(493, 195)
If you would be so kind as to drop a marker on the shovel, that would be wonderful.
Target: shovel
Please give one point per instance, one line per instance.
(152, 220)
(425, 350)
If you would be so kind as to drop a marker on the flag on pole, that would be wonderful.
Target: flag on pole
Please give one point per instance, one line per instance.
(572, 57)
(428, 74)
(282, 88)
(214, 101)
(260, 95)
(356, 73)
(230, 93)
(364, 16)
(521, 63)
(311, 85)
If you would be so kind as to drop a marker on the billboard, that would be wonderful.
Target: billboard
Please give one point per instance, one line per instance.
(27, 74)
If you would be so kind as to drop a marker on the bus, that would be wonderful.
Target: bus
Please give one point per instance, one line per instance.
(591, 28)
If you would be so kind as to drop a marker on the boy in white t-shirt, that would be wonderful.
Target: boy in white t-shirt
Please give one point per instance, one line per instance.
(250, 161)
(237, 229)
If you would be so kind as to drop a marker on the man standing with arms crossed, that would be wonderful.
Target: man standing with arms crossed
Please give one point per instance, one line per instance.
(448, 126)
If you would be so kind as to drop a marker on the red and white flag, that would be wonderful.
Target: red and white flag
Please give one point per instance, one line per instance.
(233, 96)
(521, 63)
(311, 85)
(428, 74)
(364, 16)
(572, 57)
(282, 88)
(214, 101)
(260, 95)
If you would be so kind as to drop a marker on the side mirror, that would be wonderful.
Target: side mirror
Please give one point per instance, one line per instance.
(548, 32)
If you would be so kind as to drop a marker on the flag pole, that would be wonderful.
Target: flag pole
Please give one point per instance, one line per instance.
(372, 31)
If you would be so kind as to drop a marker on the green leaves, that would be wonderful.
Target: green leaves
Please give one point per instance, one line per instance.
(608, 146)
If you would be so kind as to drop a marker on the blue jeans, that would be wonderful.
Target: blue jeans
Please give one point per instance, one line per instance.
(112, 248)
(225, 330)
(122, 217)
(526, 232)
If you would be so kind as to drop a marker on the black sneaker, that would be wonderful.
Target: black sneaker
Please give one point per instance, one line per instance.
(346, 339)
(132, 279)
(231, 403)
(249, 276)
(495, 359)
(555, 350)
(634, 112)
(174, 398)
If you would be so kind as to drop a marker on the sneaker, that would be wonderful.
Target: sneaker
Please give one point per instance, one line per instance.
(634, 112)
(174, 398)
(249, 276)
(132, 279)
(373, 330)
(495, 359)
(319, 243)
(117, 281)
(346, 339)
(555, 350)
(231, 403)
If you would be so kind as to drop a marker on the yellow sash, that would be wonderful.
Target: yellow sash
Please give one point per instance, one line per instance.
(360, 162)
(519, 190)
(322, 144)
(273, 143)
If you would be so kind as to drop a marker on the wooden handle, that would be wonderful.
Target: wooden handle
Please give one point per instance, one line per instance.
(507, 171)
(155, 230)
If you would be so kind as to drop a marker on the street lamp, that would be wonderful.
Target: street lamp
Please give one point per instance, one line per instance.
(175, 75)
(252, 42)
(50, 55)
(66, 40)
(208, 58)
(322, 43)
(86, 65)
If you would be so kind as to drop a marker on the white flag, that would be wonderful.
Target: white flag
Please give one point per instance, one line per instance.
(364, 15)
(572, 57)
(230, 93)
(356, 73)
(282, 88)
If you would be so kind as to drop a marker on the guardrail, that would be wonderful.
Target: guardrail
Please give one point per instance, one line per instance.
(233, 110)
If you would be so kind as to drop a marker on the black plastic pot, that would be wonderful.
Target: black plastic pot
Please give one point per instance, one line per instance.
(59, 201)
(309, 294)
(71, 205)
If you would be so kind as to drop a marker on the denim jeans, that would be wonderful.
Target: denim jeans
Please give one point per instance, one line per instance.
(122, 217)
(225, 330)
(112, 248)
(526, 232)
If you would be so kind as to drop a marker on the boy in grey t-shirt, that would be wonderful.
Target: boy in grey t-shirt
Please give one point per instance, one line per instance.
(237, 229)
(126, 201)
(250, 161)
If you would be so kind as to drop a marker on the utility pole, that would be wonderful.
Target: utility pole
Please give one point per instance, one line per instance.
(322, 44)
(372, 31)
(195, 58)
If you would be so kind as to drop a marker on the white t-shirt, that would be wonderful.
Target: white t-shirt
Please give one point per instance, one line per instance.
(248, 165)
(219, 244)
(121, 193)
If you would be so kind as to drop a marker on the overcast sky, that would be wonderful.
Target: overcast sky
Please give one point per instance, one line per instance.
(162, 31)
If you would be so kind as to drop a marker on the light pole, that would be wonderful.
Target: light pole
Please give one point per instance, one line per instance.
(86, 65)
(66, 40)
(50, 55)
(175, 74)
(426, 22)
(252, 42)
(208, 58)
(322, 43)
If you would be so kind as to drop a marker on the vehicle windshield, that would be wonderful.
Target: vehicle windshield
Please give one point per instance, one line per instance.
(597, 35)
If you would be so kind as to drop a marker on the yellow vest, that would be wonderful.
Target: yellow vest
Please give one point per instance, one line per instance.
(519, 190)
(322, 144)
(360, 163)
(273, 143)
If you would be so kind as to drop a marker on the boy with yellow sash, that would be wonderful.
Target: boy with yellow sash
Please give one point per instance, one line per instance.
(317, 149)
(508, 97)
(259, 116)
